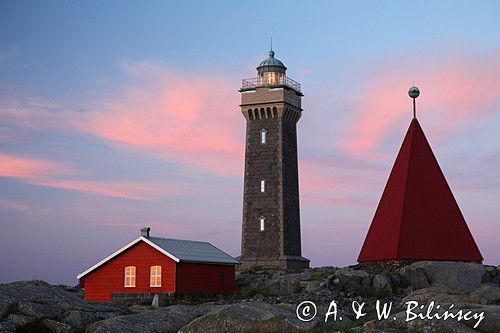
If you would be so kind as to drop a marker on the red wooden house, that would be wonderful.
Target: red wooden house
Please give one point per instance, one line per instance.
(160, 265)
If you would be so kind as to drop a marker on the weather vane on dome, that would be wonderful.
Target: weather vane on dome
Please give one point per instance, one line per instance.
(414, 93)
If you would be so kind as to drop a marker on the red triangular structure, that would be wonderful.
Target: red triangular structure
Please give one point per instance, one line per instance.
(417, 217)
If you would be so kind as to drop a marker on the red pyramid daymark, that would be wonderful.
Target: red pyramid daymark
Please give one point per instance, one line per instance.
(417, 217)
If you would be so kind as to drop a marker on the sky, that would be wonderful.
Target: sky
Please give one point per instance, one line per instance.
(120, 114)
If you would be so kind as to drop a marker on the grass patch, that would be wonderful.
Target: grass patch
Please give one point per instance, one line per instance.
(319, 277)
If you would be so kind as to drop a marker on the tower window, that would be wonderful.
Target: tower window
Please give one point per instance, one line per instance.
(262, 224)
(263, 136)
(263, 186)
(222, 276)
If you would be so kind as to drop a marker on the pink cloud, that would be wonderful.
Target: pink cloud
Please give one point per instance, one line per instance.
(52, 174)
(336, 201)
(335, 184)
(191, 119)
(13, 205)
(30, 168)
(125, 190)
(454, 90)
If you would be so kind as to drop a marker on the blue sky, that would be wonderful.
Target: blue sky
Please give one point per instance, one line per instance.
(96, 140)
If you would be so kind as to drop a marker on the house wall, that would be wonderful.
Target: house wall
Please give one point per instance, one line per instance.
(110, 277)
(201, 278)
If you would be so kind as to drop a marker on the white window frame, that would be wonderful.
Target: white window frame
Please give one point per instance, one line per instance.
(262, 186)
(262, 224)
(156, 274)
(131, 274)
(263, 136)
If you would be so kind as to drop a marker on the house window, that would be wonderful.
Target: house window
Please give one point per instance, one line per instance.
(263, 186)
(262, 224)
(263, 136)
(155, 276)
(129, 276)
(222, 276)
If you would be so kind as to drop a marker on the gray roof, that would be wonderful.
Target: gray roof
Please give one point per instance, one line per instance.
(193, 251)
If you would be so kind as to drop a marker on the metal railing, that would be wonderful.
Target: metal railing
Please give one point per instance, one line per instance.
(270, 81)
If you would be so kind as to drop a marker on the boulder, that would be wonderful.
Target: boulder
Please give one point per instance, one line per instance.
(415, 276)
(346, 279)
(382, 282)
(166, 319)
(437, 294)
(26, 304)
(79, 320)
(366, 282)
(460, 276)
(13, 321)
(310, 286)
(56, 327)
(491, 322)
(487, 293)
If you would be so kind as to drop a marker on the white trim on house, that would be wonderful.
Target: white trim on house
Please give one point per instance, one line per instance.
(135, 241)
(168, 254)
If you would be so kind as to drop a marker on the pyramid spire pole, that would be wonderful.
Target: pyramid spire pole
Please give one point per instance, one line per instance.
(414, 93)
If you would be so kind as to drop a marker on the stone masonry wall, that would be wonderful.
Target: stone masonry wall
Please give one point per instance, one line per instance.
(262, 163)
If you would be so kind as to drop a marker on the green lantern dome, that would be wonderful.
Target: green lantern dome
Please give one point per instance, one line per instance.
(271, 64)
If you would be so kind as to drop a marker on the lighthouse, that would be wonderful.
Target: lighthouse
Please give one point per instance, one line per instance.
(271, 105)
(418, 217)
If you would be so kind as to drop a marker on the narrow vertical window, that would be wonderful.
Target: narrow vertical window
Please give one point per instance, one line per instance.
(129, 276)
(263, 186)
(155, 280)
(263, 136)
(222, 276)
(262, 224)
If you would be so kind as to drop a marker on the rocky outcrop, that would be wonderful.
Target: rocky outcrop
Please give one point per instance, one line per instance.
(249, 317)
(266, 301)
(39, 306)
(459, 276)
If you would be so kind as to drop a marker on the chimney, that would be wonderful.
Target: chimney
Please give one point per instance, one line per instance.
(145, 232)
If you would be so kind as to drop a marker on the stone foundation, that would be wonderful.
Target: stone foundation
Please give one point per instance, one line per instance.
(145, 298)
(381, 265)
(396, 264)
(289, 263)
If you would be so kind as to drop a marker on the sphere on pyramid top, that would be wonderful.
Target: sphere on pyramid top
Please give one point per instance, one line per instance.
(414, 92)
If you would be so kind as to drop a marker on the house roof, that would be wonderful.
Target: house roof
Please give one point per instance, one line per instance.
(193, 251)
(178, 250)
(418, 217)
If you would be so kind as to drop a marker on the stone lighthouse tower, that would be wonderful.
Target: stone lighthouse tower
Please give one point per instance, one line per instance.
(271, 104)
